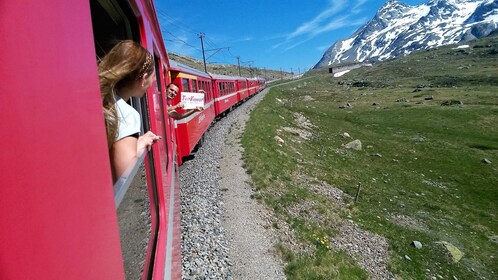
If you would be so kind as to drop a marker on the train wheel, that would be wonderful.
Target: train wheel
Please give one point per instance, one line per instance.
(199, 144)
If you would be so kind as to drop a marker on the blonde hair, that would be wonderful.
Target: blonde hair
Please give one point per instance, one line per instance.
(125, 63)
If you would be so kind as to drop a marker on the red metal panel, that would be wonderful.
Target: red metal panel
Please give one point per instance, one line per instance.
(242, 89)
(225, 103)
(167, 258)
(191, 129)
(58, 218)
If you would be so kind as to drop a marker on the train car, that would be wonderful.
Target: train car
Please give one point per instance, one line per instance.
(261, 83)
(242, 89)
(62, 217)
(225, 93)
(253, 86)
(190, 130)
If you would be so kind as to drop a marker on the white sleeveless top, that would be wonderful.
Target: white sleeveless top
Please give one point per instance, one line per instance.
(128, 119)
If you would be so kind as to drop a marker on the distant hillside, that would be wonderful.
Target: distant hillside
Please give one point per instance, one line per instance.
(453, 66)
(230, 69)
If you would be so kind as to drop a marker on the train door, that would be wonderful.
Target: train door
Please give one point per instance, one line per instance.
(136, 190)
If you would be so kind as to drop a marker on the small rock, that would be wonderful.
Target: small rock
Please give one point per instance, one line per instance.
(452, 250)
(346, 135)
(355, 145)
(417, 244)
(451, 103)
(493, 238)
(279, 140)
(346, 106)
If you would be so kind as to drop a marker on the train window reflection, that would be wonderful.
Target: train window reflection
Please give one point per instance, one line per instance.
(134, 219)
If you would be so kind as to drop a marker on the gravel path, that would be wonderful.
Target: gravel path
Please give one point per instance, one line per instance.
(223, 233)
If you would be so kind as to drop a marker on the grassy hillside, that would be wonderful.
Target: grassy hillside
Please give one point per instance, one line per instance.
(230, 69)
(427, 168)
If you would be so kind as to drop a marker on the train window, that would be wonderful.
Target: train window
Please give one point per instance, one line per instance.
(114, 21)
(185, 85)
(194, 86)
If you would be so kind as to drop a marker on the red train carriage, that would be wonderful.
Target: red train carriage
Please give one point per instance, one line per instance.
(190, 130)
(242, 89)
(261, 83)
(225, 93)
(61, 216)
(253, 86)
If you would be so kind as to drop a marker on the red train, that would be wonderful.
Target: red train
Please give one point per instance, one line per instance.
(222, 94)
(62, 217)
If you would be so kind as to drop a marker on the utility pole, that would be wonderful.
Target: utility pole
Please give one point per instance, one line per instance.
(201, 35)
(238, 63)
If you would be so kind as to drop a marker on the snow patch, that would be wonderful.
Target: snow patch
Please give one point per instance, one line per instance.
(338, 74)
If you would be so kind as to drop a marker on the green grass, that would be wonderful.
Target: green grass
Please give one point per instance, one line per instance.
(419, 161)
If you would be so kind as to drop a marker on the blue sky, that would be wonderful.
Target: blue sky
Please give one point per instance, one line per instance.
(280, 35)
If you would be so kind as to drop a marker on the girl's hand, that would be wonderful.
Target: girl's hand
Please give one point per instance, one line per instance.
(145, 141)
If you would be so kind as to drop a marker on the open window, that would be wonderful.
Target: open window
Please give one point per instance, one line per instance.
(114, 21)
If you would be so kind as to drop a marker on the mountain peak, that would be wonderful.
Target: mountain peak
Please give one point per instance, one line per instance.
(399, 29)
(392, 9)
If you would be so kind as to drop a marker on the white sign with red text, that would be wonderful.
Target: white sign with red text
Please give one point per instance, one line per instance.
(192, 100)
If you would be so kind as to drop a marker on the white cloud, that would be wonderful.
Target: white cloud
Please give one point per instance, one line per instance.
(307, 27)
(324, 22)
(357, 7)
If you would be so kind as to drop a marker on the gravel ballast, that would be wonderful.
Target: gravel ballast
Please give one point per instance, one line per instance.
(223, 234)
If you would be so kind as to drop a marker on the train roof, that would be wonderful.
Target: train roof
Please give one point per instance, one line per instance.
(175, 65)
(225, 77)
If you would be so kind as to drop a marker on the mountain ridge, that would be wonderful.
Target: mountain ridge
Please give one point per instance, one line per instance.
(398, 29)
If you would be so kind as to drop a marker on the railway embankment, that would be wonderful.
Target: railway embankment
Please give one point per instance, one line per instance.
(224, 234)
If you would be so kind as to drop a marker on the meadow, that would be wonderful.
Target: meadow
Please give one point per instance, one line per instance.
(426, 171)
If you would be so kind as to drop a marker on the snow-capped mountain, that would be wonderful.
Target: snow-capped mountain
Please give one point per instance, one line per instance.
(399, 29)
